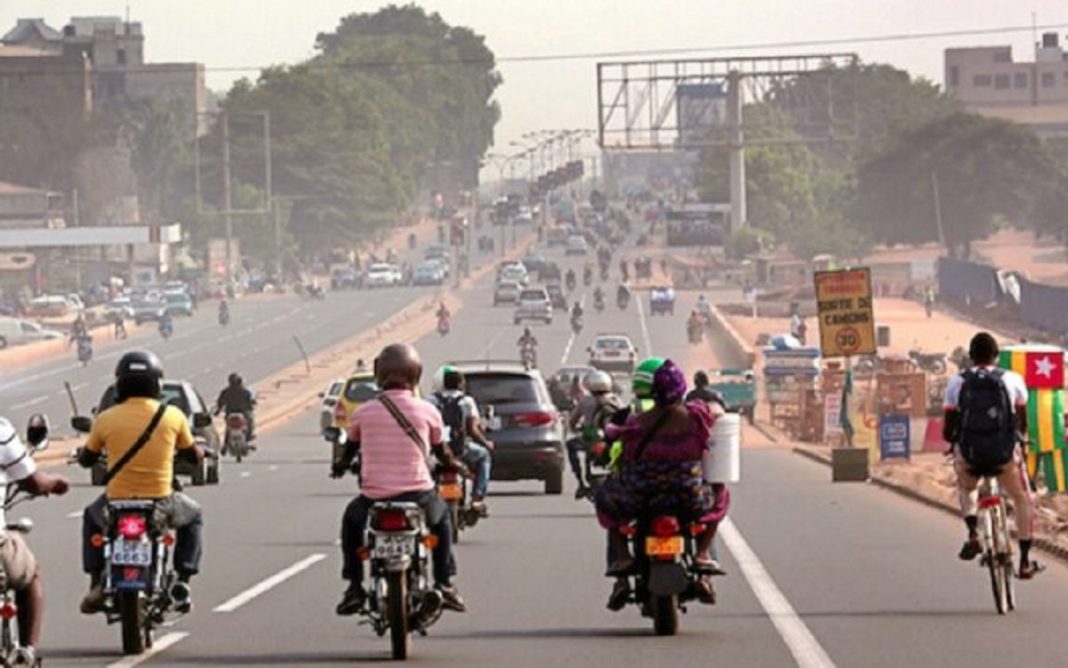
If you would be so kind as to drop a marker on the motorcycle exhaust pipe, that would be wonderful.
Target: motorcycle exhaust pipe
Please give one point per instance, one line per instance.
(179, 593)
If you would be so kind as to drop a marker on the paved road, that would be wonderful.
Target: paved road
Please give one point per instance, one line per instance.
(854, 575)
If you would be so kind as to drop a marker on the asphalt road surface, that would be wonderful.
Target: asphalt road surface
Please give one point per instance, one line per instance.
(819, 574)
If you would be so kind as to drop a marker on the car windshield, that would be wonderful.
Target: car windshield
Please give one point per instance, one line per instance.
(177, 299)
(532, 295)
(173, 395)
(491, 388)
(359, 391)
(612, 344)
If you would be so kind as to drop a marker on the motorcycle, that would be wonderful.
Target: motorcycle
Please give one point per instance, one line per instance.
(570, 282)
(598, 302)
(452, 488)
(224, 317)
(665, 576)
(694, 331)
(604, 272)
(623, 300)
(316, 292)
(166, 329)
(11, 648)
(931, 362)
(236, 440)
(528, 354)
(85, 349)
(587, 277)
(576, 324)
(443, 326)
(402, 596)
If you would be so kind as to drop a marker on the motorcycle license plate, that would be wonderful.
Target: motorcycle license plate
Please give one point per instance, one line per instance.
(663, 547)
(450, 492)
(392, 546)
(130, 553)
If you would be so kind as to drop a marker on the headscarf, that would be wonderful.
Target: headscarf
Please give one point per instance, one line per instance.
(669, 384)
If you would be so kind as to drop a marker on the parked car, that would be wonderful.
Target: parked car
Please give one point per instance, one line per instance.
(148, 309)
(428, 273)
(534, 304)
(16, 331)
(613, 352)
(52, 306)
(382, 275)
(576, 245)
(183, 395)
(506, 292)
(520, 419)
(557, 296)
(178, 303)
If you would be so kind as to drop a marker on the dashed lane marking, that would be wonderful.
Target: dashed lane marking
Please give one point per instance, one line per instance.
(158, 646)
(270, 583)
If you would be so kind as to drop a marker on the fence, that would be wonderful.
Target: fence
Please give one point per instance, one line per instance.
(968, 282)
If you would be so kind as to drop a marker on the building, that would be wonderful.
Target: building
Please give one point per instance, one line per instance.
(988, 81)
(22, 207)
(113, 54)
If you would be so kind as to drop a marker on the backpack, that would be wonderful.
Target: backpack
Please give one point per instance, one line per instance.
(452, 414)
(988, 428)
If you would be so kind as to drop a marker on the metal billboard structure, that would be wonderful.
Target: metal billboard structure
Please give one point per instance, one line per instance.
(662, 105)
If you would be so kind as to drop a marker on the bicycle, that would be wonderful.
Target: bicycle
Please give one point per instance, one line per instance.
(997, 544)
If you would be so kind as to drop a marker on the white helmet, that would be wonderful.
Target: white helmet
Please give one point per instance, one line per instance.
(439, 378)
(597, 382)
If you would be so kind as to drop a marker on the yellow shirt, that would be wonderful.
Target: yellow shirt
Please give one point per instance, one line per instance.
(148, 475)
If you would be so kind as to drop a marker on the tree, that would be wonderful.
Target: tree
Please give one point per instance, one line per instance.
(987, 171)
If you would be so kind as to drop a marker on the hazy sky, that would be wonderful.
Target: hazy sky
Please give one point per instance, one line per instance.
(562, 94)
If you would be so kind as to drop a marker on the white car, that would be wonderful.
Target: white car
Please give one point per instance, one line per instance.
(329, 404)
(515, 272)
(534, 304)
(506, 292)
(613, 352)
(576, 245)
(15, 331)
(383, 275)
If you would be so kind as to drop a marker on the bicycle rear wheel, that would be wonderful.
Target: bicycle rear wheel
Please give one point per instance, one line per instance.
(994, 559)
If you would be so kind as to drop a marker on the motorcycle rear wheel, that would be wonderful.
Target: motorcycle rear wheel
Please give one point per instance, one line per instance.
(132, 614)
(397, 613)
(665, 612)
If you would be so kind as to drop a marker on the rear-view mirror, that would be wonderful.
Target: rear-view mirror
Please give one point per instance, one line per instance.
(201, 421)
(37, 431)
(332, 434)
(81, 423)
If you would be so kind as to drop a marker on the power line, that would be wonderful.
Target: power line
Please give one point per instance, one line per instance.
(572, 56)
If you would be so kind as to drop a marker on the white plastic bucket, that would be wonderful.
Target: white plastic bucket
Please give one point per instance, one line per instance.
(723, 461)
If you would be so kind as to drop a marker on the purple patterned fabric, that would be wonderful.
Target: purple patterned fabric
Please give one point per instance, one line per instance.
(669, 384)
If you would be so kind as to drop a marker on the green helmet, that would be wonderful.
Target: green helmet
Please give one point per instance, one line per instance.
(439, 377)
(642, 384)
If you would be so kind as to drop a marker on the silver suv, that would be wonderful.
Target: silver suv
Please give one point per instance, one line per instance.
(534, 304)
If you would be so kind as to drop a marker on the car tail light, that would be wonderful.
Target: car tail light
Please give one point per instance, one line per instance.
(665, 526)
(132, 527)
(533, 419)
(391, 520)
(236, 421)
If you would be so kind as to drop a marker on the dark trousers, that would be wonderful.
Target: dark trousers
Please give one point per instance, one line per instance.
(181, 512)
(575, 446)
(354, 526)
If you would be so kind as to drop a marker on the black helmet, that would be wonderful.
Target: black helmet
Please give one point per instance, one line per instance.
(235, 380)
(138, 374)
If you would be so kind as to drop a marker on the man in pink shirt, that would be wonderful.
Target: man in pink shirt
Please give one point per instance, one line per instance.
(394, 467)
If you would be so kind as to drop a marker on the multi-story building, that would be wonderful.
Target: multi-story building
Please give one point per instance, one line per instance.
(988, 81)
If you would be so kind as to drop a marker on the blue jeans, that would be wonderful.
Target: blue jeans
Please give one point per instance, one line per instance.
(478, 458)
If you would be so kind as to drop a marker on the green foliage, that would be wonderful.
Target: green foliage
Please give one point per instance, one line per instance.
(747, 241)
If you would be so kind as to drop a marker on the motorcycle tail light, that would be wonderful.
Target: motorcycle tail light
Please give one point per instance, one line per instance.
(8, 610)
(628, 530)
(168, 539)
(97, 540)
(235, 421)
(665, 526)
(132, 527)
(431, 541)
(391, 520)
(696, 529)
(989, 501)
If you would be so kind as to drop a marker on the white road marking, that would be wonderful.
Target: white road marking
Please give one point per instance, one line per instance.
(245, 474)
(571, 339)
(645, 327)
(75, 515)
(31, 402)
(272, 467)
(158, 646)
(270, 583)
(799, 640)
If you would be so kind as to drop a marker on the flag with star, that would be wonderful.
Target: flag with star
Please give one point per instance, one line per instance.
(1042, 368)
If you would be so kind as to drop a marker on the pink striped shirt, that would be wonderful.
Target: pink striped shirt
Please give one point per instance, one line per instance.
(392, 463)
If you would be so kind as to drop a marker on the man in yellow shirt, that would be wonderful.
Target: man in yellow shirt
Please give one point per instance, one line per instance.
(148, 473)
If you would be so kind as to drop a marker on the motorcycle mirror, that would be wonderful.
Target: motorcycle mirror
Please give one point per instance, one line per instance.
(81, 423)
(201, 420)
(37, 431)
(332, 433)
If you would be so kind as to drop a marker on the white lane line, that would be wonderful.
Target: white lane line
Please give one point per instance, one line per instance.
(75, 515)
(158, 646)
(31, 402)
(272, 467)
(645, 327)
(245, 474)
(269, 584)
(802, 644)
(571, 339)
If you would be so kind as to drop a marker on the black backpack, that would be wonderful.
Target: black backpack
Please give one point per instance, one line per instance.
(452, 414)
(988, 428)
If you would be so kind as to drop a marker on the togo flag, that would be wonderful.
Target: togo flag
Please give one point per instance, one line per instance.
(1045, 420)
(1052, 465)
(1042, 367)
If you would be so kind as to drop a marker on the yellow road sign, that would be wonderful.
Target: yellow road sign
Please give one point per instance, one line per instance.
(847, 321)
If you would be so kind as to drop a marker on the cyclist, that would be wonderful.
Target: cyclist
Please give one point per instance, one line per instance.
(985, 414)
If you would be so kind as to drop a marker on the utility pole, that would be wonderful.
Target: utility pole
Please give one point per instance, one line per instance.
(938, 210)
(737, 149)
(227, 203)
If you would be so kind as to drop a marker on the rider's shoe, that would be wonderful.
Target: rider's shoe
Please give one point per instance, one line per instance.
(1030, 569)
(479, 506)
(451, 599)
(93, 602)
(27, 656)
(971, 549)
(617, 600)
(351, 601)
(582, 492)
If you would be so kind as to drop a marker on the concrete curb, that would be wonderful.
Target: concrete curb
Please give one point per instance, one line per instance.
(1045, 545)
(722, 328)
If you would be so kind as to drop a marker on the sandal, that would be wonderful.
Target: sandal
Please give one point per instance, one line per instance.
(705, 591)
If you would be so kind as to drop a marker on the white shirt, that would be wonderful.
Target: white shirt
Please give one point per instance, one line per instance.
(1014, 383)
(15, 463)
